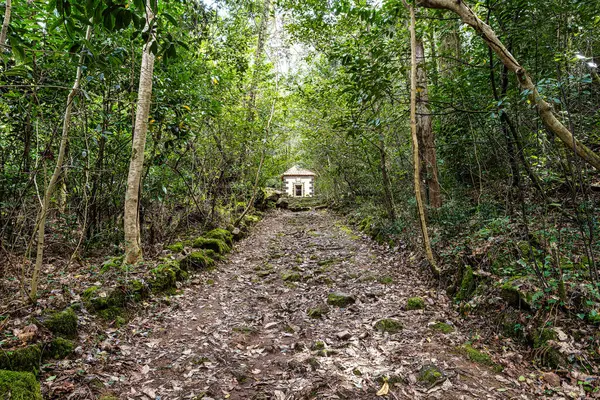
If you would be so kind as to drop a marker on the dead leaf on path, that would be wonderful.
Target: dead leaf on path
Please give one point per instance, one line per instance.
(145, 369)
(385, 389)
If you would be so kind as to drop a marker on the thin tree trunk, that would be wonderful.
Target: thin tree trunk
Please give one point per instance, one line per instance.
(5, 23)
(133, 242)
(544, 108)
(260, 48)
(43, 213)
(415, 142)
(389, 203)
(425, 131)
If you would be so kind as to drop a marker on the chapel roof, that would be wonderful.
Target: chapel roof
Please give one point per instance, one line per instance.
(297, 171)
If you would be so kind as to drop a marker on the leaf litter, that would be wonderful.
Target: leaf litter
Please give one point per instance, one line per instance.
(245, 330)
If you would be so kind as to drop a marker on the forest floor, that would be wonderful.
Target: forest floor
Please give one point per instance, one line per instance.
(242, 331)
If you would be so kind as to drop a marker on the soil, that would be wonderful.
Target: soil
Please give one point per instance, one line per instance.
(243, 330)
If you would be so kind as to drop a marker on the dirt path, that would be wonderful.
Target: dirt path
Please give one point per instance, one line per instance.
(243, 332)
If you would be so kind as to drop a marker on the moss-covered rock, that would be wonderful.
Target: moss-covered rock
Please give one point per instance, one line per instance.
(442, 327)
(318, 311)
(430, 374)
(545, 352)
(389, 325)
(216, 245)
(222, 234)
(467, 285)
(164, 278)
(62, 323)
(291, 276)
(339, 299)
(542, 336)
(250, 220)
(385, 280)
(198, 260)
(109, 304)
(138, 290)
(19, 386)
(108, 397)
(112, 264)
(58, 348)
(476, 355)
(514, 292)
(415, 303)
(176, 247)
(26, 359)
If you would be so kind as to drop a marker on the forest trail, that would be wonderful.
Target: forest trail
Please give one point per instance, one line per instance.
(242, 331)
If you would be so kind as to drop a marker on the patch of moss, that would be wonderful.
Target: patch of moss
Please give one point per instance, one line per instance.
(176, 247)
(216, 245)
(164, 278)
(430, 374)
(112, 263)
(138, 290)
(415, 303)
(222, 234)
(475, 355)
(26, 359)
(542, 335)
(62, 323)
(386, 280)
(318, 345)
(388, 325)
(318, 311)
(291, 277)
(19, 386)
(340, 299)
(250, 219)
(109, 305)
(467, 285)
(442, 327)
(108, 397)
(58, 348)
(197, 260)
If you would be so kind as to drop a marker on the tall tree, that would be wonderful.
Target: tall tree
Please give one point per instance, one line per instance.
(544, 109)
(58, 169)
(427, 153)
(133, 245)
(5, 23)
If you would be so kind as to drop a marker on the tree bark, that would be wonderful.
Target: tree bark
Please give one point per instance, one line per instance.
(544, 108)
(43, 213)
(260, 49)
(389, 201)
(428, 156)
(415, 142)
(5, 23)
(133, 242)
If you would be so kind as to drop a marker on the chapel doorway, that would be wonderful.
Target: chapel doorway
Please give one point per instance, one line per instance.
(298, 190)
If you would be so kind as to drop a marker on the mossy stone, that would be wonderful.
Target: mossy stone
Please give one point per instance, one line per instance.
(291, 277)
(196, 261)
(475, 355)
(467, 285)
(109, 305)
(542, 335)
(216, 245)
(63, 323)
(415, 303)
(220, 233)
(339, 299)
(442, 327)
(386, 280)
(138, 290)
(112, 263)
(19, 386)
(108, 397)
(58, 348)
(164, 278)
(318, 311)
(430, 374)
(176, 247)
(26, 359)
(389, 325)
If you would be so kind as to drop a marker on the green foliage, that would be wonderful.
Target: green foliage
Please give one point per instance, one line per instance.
(19, 386)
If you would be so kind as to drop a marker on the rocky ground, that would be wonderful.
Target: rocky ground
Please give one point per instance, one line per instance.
(259, 327)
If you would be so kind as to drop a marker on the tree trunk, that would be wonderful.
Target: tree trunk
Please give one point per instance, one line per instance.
(260, 48)
(133, 242)
(544, 108)
(425, 132)
(415, 142)
(5, 23)
(43, 213)
(389, 201)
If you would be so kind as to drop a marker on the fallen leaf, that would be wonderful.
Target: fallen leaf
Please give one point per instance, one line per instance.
(384, 389)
